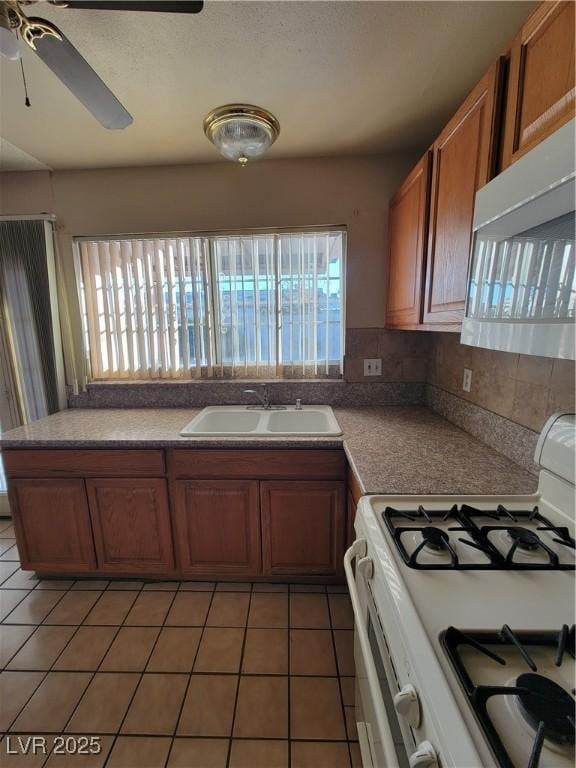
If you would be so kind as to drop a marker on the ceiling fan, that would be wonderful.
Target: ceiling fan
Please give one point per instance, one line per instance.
(58, 53)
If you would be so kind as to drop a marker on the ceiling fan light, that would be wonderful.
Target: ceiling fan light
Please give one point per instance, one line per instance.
(241, 132)
(9, 47)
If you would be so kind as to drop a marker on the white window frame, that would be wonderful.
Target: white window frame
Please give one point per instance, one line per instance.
(216, 368)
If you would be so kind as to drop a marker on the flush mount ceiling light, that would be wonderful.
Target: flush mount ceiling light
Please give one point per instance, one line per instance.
(241, 131)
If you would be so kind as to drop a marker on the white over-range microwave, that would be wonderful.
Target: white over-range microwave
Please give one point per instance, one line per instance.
(522, 280)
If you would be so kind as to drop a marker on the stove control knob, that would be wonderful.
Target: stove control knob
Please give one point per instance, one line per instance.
(407, 704)
(424, 757)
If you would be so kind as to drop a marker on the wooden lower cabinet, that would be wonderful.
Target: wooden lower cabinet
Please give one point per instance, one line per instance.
(303, 526)
(52, 525)
(180, 525)
(131, 524)
(217, 527)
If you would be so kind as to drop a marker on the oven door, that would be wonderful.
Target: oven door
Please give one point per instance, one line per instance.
(382, 743)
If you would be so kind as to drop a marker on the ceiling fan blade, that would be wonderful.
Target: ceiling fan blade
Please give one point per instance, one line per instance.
(75, 72)
(164, 6)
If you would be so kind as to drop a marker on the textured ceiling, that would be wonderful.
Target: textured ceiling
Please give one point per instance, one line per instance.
(342, 77)
(14, 159)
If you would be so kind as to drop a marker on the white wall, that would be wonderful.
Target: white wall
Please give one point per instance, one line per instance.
(283, 193)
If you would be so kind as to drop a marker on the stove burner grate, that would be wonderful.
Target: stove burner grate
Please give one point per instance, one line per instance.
(544, 701)
(435, 538)
(522, 539)
(544, 705)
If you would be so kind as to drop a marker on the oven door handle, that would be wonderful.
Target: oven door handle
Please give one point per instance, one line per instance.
(358, 549)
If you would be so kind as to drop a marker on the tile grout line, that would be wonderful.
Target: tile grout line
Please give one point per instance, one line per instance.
(177, 722)
(237, 696)
(4, 621)
(161, 627)
(94, 672)
(239, 673)
(36, 626)
(4, 559)
(289, 635)
(194, 738)
(75, 671)
(342, 705)
(7, 578)
(4, 667)
(44, 676)
(278, 675)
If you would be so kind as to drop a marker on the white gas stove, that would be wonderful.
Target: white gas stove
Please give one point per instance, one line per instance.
(465, 612)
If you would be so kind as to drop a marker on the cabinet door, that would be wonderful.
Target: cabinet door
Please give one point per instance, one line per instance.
(302, 527)
(217, 527)
(131, 525)
(541, 93)
(464, 155)
(52, 525)
(407, 227)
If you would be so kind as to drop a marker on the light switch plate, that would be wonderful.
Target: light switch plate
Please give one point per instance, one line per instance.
(467, 380)
(373, 366)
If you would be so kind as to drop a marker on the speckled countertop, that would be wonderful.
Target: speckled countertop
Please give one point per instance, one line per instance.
(393, 449)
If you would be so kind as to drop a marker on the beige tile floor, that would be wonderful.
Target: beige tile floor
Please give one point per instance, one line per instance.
(174, 674)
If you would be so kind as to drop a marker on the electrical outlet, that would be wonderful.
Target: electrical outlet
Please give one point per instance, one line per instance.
(467, 380)
(373, 367)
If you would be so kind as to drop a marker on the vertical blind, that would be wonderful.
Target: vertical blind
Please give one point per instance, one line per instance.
(256, 305)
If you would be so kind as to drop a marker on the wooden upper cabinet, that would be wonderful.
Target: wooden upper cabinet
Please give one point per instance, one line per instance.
(217, 527)
(52, 525)
(131, 524)
(407, 228)
(541, 91)
(303, 527)
(464, 156)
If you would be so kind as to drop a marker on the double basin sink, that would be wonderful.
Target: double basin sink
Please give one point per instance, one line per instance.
(243, 421)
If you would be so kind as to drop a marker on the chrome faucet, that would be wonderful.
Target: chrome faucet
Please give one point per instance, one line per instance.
(263, 394)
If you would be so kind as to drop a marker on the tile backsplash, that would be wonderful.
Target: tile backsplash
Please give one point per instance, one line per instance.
(197, 394)
(404, 354)
(523, 388)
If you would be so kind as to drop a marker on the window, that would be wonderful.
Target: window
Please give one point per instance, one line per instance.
(246, 305)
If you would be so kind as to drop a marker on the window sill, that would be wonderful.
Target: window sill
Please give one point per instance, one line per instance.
(204, 382)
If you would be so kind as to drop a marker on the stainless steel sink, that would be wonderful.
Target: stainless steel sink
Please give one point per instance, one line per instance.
(241, 421)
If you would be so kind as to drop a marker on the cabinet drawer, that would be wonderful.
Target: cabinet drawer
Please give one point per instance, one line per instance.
(83, 463)
(258, 464)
